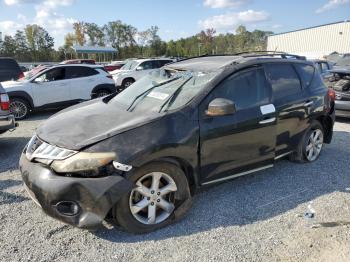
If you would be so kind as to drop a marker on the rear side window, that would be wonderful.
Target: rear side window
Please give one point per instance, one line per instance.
(246, 89)
(79, 71)
(284, 80)
(306, 73)
(163, 62)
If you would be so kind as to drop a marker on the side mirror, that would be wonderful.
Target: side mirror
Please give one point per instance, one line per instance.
(220, 107)
(139, 68)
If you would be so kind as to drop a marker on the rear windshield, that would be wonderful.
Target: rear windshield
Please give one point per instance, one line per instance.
(6, 64)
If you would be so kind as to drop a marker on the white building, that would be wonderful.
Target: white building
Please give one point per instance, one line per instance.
(313, 42)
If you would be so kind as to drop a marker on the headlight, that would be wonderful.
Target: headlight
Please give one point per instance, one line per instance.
(83, 161)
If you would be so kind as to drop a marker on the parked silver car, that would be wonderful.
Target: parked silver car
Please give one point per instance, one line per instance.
(7, 121)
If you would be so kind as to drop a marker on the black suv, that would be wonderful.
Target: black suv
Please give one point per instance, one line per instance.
(141, 154)
(9, 69)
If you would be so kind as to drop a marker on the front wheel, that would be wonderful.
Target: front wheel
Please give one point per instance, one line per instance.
(311, 144)
(161, 195)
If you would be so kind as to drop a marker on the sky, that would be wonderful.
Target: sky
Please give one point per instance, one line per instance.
(175, 18)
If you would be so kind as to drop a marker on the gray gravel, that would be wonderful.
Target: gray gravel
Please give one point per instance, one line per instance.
(253, 218)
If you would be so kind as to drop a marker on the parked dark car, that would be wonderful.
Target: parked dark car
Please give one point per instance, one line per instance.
(9, 69)
(141, 154)
(339, 80)
(7, 121)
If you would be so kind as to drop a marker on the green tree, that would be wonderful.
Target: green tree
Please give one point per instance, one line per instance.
(40, 43)
(95, 34)
(79, 33)
(8, 46)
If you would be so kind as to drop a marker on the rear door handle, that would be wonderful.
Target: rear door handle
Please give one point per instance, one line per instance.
(309, 103)
(268, 120)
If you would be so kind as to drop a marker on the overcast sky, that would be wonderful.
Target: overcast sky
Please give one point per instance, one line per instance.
(176, 19)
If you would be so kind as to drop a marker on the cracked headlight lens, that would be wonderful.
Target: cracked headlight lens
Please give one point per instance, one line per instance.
(83, 161)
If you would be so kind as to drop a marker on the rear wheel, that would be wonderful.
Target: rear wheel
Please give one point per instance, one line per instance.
(311, 144)
(102, 93)
(19, 108)
(161, 189)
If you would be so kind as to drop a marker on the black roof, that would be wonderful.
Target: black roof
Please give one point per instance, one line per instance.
(209, 63)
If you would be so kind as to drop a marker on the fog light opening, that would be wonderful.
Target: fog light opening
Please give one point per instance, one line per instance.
(67, 208)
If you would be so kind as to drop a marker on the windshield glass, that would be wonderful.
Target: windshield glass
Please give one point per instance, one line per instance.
(343, 62)
(163, 90)
(130, 65)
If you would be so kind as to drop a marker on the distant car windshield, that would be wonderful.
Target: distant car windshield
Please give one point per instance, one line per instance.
(130, 65)
(163, 90)
(343, 62)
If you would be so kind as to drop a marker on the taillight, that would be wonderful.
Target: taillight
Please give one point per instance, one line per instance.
(21, 75)
(4, 102)
(331, 94)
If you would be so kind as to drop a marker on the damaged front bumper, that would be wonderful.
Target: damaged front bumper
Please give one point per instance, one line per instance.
(81, 202)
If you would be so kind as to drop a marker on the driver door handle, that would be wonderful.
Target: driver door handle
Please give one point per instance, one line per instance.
(268, 120)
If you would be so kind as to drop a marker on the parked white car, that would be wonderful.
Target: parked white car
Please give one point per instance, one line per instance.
(56, 87)
(133, 70)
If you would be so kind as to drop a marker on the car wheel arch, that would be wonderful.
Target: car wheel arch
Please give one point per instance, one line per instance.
(185, 166)
(109, 87)
(327, 124)
(22, 95)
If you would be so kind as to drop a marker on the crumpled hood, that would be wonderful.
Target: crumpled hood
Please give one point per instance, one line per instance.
(90, 122)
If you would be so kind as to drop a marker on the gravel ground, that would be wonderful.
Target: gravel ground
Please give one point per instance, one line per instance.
(253, 218)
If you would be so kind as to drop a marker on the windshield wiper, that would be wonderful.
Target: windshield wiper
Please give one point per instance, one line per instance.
(173, 96)
(148, 91)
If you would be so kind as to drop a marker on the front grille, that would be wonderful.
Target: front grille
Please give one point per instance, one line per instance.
(37, 148)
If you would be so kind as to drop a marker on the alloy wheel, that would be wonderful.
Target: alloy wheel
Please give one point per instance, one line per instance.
(314, 145)
(18, 109)
(152, 200)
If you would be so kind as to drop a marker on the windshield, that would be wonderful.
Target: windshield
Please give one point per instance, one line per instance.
(343, 62)
(130, 65)
(163, 90)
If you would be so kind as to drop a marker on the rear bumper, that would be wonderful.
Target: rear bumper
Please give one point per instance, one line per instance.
(7, 123)
(92, 197)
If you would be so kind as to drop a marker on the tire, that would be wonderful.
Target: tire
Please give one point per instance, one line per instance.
(19, 108)
(127, 82)
(102, 93)
(311, 144)
(165, 208)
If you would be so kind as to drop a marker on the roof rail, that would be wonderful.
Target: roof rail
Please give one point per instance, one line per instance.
(271, 54)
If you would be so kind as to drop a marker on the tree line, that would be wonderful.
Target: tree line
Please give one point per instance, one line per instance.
(34, 43)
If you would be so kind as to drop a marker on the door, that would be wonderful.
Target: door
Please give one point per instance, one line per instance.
(233, 144)
(51, 87)
(291, 103)
(82, 80)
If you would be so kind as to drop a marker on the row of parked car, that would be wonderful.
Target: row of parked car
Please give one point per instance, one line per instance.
(68, 83)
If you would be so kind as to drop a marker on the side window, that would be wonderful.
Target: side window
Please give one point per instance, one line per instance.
(246, 89)
(79, 71)
(324, 67)
(55, 74)
(163, 62)
(284, 80)
(306, 73)
(147, 65)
